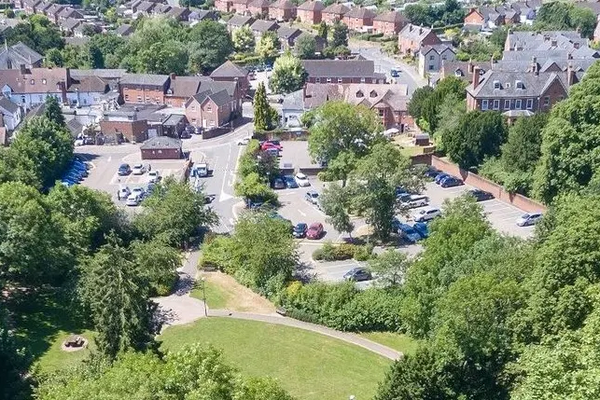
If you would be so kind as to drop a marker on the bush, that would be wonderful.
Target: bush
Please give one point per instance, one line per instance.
(344, 251)
(363, 253)
(325, 253)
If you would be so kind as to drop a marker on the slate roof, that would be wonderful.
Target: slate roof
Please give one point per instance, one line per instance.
(311, 6)
(360, 12)
(124, 30)
(17, 54)
(533, 85)
(161, 142)
(336, 8)
(391, 16)
(261, 25)
(216, 86)
(107, 73)
(74, 126)
(88, 84)
(545, 40)
(144, 79)
(220, 98)
(229, 70)
(200, 15)
(8, 105)
(240, 20)
(369, 95)
(259, 4)
(283, 5)
(461, 69)
(173, 120)
(340, 68)
(146, 6)
(286, 32)
(185, 86)
(415, 33)
(70, 23)
(438, 48)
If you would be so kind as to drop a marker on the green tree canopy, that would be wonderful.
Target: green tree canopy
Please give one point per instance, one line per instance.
(268, 46)
(339, 35)
(305, 47)
(288, 74)
(243, 39)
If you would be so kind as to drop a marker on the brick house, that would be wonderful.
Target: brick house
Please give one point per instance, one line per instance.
(181, 88)
(52, 12)
(342, 71)
(69, 12)
(358, 18)
(412, 38)
(223, 5)
(161, 148)
(287, 36)
(389, 23)
(310, 12)
(31, 6)
(144, 88)
(133, 131)
(261, 26)
(334, 12)
(238, 21)
(259, 8)
(282, 10)
(239, 6)
(229, 72)
(210, 109)
(462, 70)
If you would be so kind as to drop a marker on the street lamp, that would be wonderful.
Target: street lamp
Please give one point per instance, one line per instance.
(204, 295)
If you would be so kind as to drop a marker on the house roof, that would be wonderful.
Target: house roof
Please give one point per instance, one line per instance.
(391, 16)
(283, 5)
(220, 98)
(55, 8)
(146, 6)
(144, 79)
(185, 86)
(161, 142)
(201, 15)
(124, 30)
(240, 20)
(336, 8)
(261, 25)
(369, 95)
(17, 54)
(415, 33)
(7, 105)
(69, 12)
(311, 6)
(259, 4)
(88, 84)
(174, 120)
(74, 126)
(340, 68)
(438, 48)
(108, 73)
(35, 80)
(178, 12)
(229, 70)
(70, 23)
(360, 12)
(545, 40)
(533, 84)
(463, 69)
(216, 86)
(286, 32)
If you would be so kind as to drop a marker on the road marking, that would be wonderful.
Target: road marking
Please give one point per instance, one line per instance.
(302, 213)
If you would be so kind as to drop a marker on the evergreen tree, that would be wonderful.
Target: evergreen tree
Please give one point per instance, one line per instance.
(323, 30)
(53, 112)
(265, 116)
(340, 35)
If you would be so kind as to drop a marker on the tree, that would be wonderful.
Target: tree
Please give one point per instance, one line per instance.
(54, 58)
(450, 112)
(288, 74)
(36, 32)
(335, 205)
(390, 267)
(210, 45)
(418, 100)
(305, 47)
(479, 134)
(53, 112)
(323, 31)
(174, 212)
(117, 297)
(243, 39)
(342, 165)
(522, 149)
(340, 35)
(268, 46)
(255, 189)
(13, 364)
(265, 116)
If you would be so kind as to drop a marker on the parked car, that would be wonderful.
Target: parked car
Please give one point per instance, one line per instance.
(150, 188)
(244, 141)
(427, 214)
(138, 169)
(123, 193)
(300, 230)
(422, 229)
(315, 231)
(451, 181)
(209, 198)
(302, 180)
(480, 195)
(312, 197)
(440, 177)
(432, 172)
(272, 151)
(290, 182)
(124, 169)
(408, 233)
(400, 191)
(414, 201)
(358, 274)
(528, 219)
(269, 145)
(133, 200)
(139, 191)
(278, 183)
(154, 176)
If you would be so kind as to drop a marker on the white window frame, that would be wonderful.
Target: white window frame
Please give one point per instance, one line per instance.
(518, 104)
(484, 104)
(318, 80)
(340, 80)
(507, 104)
(496, 104)
(529, 104)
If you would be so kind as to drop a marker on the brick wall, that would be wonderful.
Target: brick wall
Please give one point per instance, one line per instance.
(517, 200)
(310, 17)
(133, 131)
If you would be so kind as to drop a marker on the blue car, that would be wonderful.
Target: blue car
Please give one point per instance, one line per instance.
(440, 177)
(400, 191)
(78, 172)
(451, 181)
(408, 233)
(290, 182)
(422, 229)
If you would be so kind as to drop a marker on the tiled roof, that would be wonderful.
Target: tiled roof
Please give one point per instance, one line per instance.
(336, 8)
(369, 95)
(283, 5)
(261, 25)
(220, 98)
(15, 55)
(340, 68)
(311, 6)
(35, 80)
(144, 79)
(240, 20)
(229, 70)
(185, 86)
(106, 73)
(161, 142)
(438, 48)
(285, 32)
(89, 84)
(415, 33)
(360, 12)
(533, 84)
(391, 16)
(259, 4)
(8, 105)
(70, 23)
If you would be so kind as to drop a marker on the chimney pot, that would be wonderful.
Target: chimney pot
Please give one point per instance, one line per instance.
(475, 77)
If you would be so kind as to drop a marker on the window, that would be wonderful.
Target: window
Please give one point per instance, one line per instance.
(318, 80)
(529, 104)
(22, 99)
(444, 57)
(484, 105)
(431, 58)
(328, 80)
(373, 94)
(209, 108)
(518, 104)
(381, 112)
(458, 73)
(193, 108)
(519, 85)
(362, 80)
(339, 80)
(496, 84)
(126, 97)
(360, 94)
(496, 104)
(546, 101)
(44, 81)
(139, 99)
(32, 81)
(431, 66)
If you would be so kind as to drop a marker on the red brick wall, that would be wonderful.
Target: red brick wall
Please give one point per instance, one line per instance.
(161, 154)
(357, 23)
(474, 18)
(175, 101)
(330, 18)
(311, 17)
(479, 182)
(556, 92)
(313, 79)
(133, 95)
(387, 28)
(133, 131)
(281, 14)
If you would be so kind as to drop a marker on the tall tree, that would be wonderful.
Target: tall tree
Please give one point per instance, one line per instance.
(340, 34)
(522, 149)
(210, 45)
(53, 112)
(13, 363)
(335, 203)
(268, 46)
(243, 39)
(288, 74)
(390, 267)
(305, 47)
(323, 31)
(265, 116)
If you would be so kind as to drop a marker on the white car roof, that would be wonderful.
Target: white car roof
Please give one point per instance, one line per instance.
(300, 175)
(132, 196)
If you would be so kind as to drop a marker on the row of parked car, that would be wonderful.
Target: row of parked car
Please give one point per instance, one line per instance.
(75, 173)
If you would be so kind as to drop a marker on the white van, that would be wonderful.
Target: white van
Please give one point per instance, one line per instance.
(427, 214)
(415, 200)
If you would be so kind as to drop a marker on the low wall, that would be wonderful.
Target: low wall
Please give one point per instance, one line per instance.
(517, 200)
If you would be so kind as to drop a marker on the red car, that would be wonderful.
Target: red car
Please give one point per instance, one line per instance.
(315, 230)
(271, 145)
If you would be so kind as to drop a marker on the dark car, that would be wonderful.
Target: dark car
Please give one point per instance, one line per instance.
(185, 135)
(124, 169)
(290, 182)
(209, 198)
(408, 233)
(480, 195)
(432, 172)
(300, 230)
(439, 177)
(315, 231)
(278, 183)
(358, 274)
(422, 229)
(451, 181)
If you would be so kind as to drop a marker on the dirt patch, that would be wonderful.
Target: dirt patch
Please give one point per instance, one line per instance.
(239, 298)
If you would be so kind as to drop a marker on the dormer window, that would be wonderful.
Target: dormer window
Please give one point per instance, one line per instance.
(169, 91)
(508, 85)
(360, 94)
(373, 94)
(496, 84)
(458, 73)
(32, 81)
(519, 85)
(44, 81)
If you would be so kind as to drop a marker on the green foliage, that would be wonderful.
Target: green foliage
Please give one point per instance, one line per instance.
(523, 147)
(243, 39)
(435, 15)
(426, 102)
(344, 251)
(157, 263)
(417, 101)
(479, 134)
(265, 116)
(565, 16)
(323, 30)
(53, 112)
(288, 74)
(339, 34)
(256, 189)
(305, 47)
(13, 363)
(450, 111)
(390, 267)
(36, 32)
(335, 204)
(268, 46)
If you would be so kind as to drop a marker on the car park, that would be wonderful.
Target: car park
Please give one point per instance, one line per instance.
(139, 191)
(358, 274)
(138, 169)
(315, 231)
(154, 176)
(312, 197)
(414, 201)
(124, 169)
(408, 233)
(133, 200)
(302, 180)
(440, 177)
(528, 219)
(431, 172)
(272, 151)
(451, 181)
(300, 230)
(480, 195)
(427, 214)
(290, 182)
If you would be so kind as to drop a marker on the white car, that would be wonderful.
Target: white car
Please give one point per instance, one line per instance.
(244, 141)
(138, 191)
(427, 214)
(138, 169)
(154, 176)
(529, 219)
(302, 180)
(415, 200)
(312, 197)
(133, 200)
(124, 192)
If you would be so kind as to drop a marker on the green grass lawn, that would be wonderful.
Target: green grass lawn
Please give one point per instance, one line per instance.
(216, 296)
(309, 365)
(396, 341)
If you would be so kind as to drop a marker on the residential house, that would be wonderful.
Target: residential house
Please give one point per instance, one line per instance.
(229, 72)
(231, 87)
(7, 24)
(238, 21)
(282, 10)
(11, 113)
(463, 70)
(389, 23)
(31, 6)
(145, 8)
(224, 6)
(161, 148)
(310, 12)
(432, 57)
(144, 88)
(334, 12)
(161, 10)
(492, 17)
(69, 13)
(124, 30)
(53, 11)
(28, 87)
(179, 13)
(239, 6)
(544, 40)
(261, 26)
(259, 8)
(359, 19)
(288, 35)
(86, 90)
(68, 25)
(527, 10)
(209, 109)
(198, 15)
(181, 88)
(412, 38)
(12, 57)
(342, 71)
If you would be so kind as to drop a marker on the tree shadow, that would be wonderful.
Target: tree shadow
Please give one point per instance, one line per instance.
(304, 273)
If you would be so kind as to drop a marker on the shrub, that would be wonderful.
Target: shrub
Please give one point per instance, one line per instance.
(326, 253)
(343, 251)
(363, 253)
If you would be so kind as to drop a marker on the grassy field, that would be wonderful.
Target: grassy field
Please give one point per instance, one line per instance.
(396, 341)
(216, 296)
(309, 365)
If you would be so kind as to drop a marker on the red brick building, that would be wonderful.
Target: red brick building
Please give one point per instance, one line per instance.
(132, 131)
(389, 23)
(223, 5)
(310, 12)
(334, 12)
(144, 88)
(259, 8)
(412, 38)
(282, 10)
(161, 148)
(230, 72)
(181, 88)
(358, 18)
(209, 109)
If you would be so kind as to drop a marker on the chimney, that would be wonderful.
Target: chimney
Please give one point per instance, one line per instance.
(475, 77)
(470, 66)
(172, 76)
(410, 28)
(570, 75)
(492, 62)
(420, 30)
(534, 66)
(23, 69)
